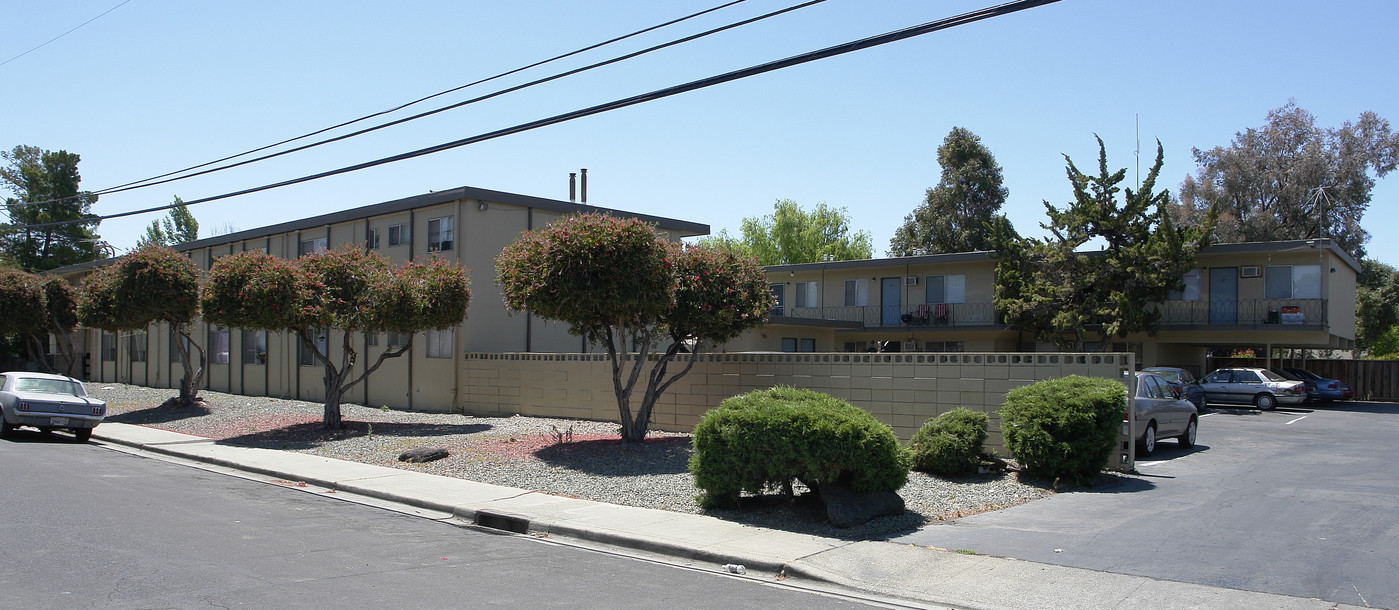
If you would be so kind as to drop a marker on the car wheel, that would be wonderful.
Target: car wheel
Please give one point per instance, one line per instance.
(1148, 441)
(7, 429)
(1187, 440)
(1265, 402)
(82, 435)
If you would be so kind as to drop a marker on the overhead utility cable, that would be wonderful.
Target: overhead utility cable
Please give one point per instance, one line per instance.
(149, 182)
(74, 29)
(841, 49)
(131, 185)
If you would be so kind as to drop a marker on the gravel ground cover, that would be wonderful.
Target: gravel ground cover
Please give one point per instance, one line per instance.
(574, 458)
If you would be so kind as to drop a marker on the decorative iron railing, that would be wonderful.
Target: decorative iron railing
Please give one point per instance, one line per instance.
(1244, 312)
(940, 314)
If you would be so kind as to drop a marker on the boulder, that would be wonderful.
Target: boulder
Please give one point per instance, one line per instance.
(422, 454)
(846, 508)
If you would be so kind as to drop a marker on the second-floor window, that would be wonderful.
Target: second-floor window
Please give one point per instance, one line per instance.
(398, 235)
(857, 293)
(779, 293)
(1292, 282)
(946, 288)
(1192, 288)
(806, 295)
(371, 240)
(311, 245)
(439, 234)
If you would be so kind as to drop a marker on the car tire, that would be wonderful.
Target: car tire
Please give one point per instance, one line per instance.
(1187, 439)
(1265, 402)
(1147, 444)
(7, 429)
(82, 435)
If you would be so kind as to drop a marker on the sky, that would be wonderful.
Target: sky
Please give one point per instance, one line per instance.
(155, 86)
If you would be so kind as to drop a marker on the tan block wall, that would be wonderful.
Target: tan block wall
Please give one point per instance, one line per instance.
(901, 390)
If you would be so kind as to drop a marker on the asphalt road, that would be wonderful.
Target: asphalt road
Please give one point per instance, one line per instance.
(1298, 501)
(85, 526)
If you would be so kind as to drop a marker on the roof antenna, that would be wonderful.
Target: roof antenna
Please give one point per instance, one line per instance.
(1139, 151)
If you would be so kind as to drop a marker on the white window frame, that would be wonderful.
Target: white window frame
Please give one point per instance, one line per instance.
(954, 288)
(218, 345)
(857, 293)
(440, 343)
(308, 246)
(399, 339)
(439, 239)
(1191, 279)
(304, 357)
(807, 295)
(1300, 283)
(251, 340)
(372, 240)
(399, 235)
(137, 346)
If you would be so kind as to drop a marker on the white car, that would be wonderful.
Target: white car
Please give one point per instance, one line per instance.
(48, 402)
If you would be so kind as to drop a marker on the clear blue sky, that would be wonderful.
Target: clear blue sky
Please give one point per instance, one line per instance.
(156, 86)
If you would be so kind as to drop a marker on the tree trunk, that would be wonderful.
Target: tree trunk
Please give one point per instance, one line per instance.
(36, 352)
(189, 383)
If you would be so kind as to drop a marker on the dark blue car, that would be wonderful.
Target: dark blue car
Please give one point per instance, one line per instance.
(1182, 382)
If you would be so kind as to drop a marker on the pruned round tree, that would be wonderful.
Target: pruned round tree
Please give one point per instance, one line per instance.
(153, 284)
(616, 283)
(345, 288)
(23, 303)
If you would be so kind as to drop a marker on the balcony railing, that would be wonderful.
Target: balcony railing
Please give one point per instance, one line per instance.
(1244, 312)
(935, 315)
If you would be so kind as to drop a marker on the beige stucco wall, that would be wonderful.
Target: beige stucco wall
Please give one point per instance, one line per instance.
(902, 390)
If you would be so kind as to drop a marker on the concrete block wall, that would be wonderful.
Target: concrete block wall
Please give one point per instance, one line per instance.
(902, 390)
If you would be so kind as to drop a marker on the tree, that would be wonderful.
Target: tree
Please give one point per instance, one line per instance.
(1291, 179)
(955, 213)
(45, 185)
(153, 284)
(37, 306)
(1377, 309)
(616, 283)
(178, 227)
(346, 289)
(1060, 294)
(793, 235)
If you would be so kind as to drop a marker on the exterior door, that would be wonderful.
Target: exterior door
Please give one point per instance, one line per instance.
(1224, 295)
(889, 299)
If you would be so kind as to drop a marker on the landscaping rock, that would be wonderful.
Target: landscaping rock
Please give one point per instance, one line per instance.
(422, 454)
(846, 508)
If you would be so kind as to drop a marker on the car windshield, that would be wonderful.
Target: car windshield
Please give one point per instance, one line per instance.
(1305, 373)
(49, 386)
(1168, 375)
(1271, 376)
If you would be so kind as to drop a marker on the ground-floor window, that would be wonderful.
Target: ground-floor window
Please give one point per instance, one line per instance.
(254, 347)
(439, 343)
(944, 346)
(218, 345)
(137, 347)
(305, 357)
(792, 344)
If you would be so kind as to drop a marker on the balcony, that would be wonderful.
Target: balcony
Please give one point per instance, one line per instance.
(1253, 313)
(950, 315)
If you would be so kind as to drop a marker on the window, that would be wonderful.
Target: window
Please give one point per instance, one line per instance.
(808, 345)
(109, 347)
(311, 245)
(218, 345)
(945, 289)
(371, 339)
(371, 240)
(398, 235)
(304, 357)
(944, 346)
(857, 293)
(137, 347)
(806, 295)
(778, 293)
(439, 234)
(1292, 282)
(400, 339)
(439, 343)
(254, 347)
(1192, 288)
(792, 344)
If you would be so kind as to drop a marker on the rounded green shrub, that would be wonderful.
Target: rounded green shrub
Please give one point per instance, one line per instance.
(950, 444)
(1064, 428)
(771, 438)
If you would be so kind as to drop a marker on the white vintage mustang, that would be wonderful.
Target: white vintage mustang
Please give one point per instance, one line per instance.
(48, 402)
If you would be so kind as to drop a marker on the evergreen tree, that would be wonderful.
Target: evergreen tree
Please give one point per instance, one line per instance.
(45, 185)
(955, 213)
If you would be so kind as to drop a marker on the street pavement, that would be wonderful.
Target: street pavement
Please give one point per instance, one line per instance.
(915, 573)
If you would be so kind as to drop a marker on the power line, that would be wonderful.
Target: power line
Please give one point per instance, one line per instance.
(157, 180)
(841, 49)
(149, 182)
(75, 28)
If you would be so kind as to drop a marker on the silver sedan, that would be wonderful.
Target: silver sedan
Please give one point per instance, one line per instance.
(1161, 412)
(48, 402)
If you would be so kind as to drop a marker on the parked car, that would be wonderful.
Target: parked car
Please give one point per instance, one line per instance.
(1326, 389)
(1310, 385)
(1259, 387)
(1161, 412)
(1182, 382)
(48, 402)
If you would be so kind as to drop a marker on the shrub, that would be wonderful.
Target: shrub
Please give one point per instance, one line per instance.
(769, 438)
(1064, 428)
(951, 443)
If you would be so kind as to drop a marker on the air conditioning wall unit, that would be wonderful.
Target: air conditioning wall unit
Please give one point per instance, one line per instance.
(911, 280)
(1249, 272)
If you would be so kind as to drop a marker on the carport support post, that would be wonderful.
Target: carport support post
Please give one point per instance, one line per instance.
(1268, 351)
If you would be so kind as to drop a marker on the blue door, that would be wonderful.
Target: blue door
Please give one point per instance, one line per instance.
(889, 298)
(1224, 295)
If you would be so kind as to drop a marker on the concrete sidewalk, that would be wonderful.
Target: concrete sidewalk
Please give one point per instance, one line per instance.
(916, 574)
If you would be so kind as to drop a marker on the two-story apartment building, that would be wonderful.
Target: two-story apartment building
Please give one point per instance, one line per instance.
(1298, 294)
(467, 225)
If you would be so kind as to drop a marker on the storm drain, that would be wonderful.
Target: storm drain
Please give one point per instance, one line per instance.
(501, 521)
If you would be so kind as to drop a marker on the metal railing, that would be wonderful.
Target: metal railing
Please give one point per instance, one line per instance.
(1244, 312)
(943, 314)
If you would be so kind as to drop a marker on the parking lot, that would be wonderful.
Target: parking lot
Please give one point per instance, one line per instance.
(1299, 501)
